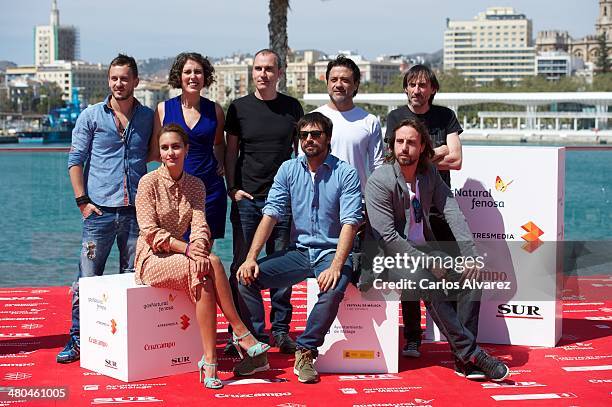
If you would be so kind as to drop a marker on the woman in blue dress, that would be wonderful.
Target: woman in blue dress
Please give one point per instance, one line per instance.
(203, 120)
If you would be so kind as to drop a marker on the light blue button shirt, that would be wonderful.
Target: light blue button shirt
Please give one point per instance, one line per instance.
(319, 207)
(112, 167)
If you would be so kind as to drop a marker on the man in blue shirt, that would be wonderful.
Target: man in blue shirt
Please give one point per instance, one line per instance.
(108, 156)
(325, 198)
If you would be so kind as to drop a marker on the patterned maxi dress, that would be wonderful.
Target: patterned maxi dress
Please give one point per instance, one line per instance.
(166, 209)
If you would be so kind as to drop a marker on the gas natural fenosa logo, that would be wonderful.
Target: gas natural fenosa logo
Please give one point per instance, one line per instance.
(500, 185)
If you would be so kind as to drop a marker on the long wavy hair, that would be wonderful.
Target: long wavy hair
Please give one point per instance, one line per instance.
(425, 156)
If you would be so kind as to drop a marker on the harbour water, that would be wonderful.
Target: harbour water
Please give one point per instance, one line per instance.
(41, 226)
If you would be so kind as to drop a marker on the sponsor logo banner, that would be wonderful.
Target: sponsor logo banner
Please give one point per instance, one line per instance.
(252, 395)
(358, 377)
(535, 396)
(124, 400)
(518, 311)
(511, 384)
(586, 368)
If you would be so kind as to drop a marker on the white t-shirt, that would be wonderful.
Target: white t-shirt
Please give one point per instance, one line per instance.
(415, 230)
(356, 139)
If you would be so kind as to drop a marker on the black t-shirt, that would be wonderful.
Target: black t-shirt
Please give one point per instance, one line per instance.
(266, 131)
(439, 120)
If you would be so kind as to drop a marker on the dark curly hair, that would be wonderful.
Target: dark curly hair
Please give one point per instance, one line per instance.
(341, 60)
(174, 77)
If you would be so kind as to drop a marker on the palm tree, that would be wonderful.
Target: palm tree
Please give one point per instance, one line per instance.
(277, 29)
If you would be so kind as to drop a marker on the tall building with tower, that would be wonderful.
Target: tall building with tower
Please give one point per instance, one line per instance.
(587, 48)
(55, 42)
(496, 44)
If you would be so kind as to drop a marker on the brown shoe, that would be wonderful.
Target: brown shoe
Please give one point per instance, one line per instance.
(304, 366)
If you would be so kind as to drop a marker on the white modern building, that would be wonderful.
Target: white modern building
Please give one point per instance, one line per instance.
(537, 114)
(554, 65)
(55, 42)
(90, 79)
(496, 44)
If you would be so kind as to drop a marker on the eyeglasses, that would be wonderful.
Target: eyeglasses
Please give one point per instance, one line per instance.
(418, 210)
(315, 134)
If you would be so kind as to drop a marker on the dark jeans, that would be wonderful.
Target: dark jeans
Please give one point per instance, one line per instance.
(467, 305)
(291, 267)
(99, 234)
(245, 216)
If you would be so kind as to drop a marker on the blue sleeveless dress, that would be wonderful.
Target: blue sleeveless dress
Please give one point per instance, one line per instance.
(200, 160)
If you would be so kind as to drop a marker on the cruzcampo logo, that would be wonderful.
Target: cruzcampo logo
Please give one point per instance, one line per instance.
(113, 326)
(171, 297)
(532, 237)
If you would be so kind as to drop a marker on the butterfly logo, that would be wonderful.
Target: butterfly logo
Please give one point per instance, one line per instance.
(500, 185)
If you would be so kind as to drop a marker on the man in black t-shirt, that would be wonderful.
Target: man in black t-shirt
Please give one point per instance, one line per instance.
(421, 85)
(261, 135)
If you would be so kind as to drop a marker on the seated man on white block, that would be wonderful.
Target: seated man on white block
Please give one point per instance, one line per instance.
(325, 198)
(399, 196)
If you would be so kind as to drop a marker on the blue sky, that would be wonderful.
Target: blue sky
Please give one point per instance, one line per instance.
(153, 28)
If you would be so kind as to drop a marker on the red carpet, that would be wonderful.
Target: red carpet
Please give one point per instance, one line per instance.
(578, 372)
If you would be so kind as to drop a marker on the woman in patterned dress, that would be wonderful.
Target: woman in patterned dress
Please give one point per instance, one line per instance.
(168, 203)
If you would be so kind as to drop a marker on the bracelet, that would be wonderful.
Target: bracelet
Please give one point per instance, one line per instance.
(82, 200)
(187, 250)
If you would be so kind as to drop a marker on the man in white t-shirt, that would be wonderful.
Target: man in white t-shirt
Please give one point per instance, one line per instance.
(357, 135)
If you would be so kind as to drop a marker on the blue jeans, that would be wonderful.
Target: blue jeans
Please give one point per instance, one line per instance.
(290, 267)
(99, 233)
(245, 216)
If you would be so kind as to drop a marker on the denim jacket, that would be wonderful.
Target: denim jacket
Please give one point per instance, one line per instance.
(112, 166)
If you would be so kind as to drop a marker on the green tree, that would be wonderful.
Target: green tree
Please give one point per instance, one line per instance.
(602, 58)
(453, 81)
(50, 97)
(602, 82)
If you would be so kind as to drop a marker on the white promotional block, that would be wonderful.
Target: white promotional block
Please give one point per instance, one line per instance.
(364, 336)
(512, 198)
(132, 332)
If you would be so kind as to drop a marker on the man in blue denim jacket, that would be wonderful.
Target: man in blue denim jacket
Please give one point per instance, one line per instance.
(325, 199)
(108, 156)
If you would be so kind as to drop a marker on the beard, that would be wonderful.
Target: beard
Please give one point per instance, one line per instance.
(125, 96)
(406, 161)
(313, 152)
